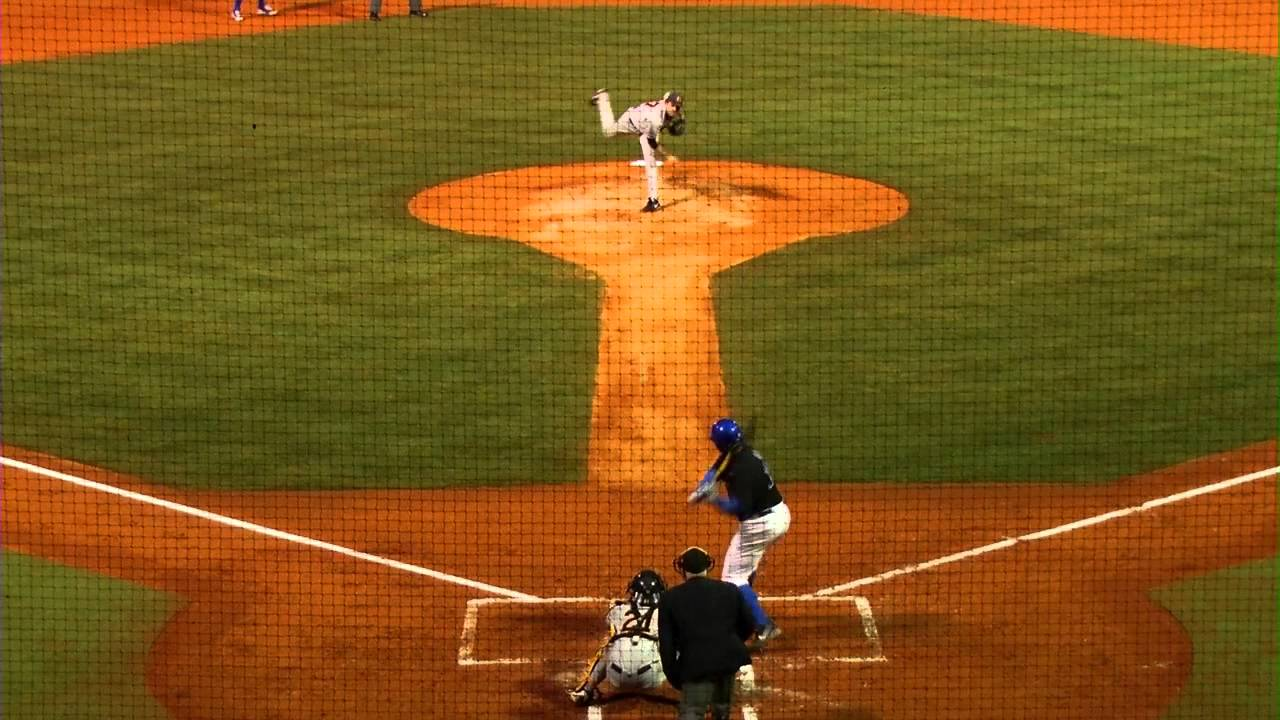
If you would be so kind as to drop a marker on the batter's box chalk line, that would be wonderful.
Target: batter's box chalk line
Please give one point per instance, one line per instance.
(747, 710)
(861, 609)
(794, 698)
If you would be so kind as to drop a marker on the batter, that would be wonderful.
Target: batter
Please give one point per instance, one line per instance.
(763, 518)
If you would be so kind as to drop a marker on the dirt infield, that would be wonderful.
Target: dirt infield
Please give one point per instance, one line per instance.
(1061, 627)
(38, 30)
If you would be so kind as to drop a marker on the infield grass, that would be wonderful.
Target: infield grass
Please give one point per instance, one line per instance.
(211, 278)
(1231, 617)
(75, 643)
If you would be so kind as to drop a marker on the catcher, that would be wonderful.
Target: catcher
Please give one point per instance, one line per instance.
(646, 121)
(629, 657)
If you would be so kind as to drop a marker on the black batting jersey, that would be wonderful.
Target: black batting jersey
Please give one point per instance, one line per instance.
(748, 480)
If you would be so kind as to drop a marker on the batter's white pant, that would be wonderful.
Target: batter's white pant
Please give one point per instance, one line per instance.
(609, 126)
(747, 547)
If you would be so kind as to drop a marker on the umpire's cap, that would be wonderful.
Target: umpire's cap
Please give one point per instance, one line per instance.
(675, 98)
(693, 561)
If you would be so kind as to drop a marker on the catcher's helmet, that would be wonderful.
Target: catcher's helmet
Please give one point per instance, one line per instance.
(646, 587)
(725, 433)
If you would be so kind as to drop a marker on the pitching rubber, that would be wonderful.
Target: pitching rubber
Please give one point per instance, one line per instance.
(640, 163)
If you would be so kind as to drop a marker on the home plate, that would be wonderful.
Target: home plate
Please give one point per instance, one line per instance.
(640, 163)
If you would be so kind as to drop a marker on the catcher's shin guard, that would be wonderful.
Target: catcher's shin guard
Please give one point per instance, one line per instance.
(595, 672)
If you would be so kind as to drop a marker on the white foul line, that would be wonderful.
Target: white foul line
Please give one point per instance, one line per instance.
(264, 530)
(1050, 532)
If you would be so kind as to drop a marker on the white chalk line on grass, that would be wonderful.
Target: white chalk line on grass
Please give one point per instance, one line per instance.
(1049, 532)
(264, 530)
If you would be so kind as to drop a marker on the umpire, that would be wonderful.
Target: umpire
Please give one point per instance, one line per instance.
(702, 628)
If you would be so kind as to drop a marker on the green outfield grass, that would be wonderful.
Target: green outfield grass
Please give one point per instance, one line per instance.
(75, 643)
(211, 278)
(1231, 617)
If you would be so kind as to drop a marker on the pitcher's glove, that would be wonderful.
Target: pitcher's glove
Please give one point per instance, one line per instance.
(677, 127)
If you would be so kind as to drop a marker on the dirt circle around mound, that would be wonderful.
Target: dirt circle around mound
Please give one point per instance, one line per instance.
(716, 213)
(658, 382)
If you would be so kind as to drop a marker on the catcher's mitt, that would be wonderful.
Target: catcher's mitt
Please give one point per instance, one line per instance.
(677, 127)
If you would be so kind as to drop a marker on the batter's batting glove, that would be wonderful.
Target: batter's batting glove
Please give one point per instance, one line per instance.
(705, 490)
(699, 496)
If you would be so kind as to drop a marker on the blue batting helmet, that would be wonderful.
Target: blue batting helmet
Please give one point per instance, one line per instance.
(725, 433)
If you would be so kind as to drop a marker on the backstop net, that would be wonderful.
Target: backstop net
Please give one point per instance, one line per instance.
(357, 355)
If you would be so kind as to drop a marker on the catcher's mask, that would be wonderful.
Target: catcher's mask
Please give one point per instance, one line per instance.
(725, 433)
(646, 588)
(693, 561)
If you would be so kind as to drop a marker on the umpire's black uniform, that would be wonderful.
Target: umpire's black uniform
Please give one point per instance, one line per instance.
(702, 628)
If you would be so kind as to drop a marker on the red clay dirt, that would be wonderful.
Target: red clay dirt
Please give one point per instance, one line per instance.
(58, 28)
(1059, 628)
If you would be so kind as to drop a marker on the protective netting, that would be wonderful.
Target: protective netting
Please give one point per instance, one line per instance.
(357, 356)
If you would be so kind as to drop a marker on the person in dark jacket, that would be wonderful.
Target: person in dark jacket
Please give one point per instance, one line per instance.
(703, 625)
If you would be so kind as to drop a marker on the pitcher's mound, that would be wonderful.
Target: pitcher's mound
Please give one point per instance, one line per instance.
(720, 212)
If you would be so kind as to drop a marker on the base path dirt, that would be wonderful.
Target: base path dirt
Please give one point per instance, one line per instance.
(58, 28)
(1057, 628)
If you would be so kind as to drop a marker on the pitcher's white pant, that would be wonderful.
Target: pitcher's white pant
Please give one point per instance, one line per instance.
(747, 547)
(609, 126)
